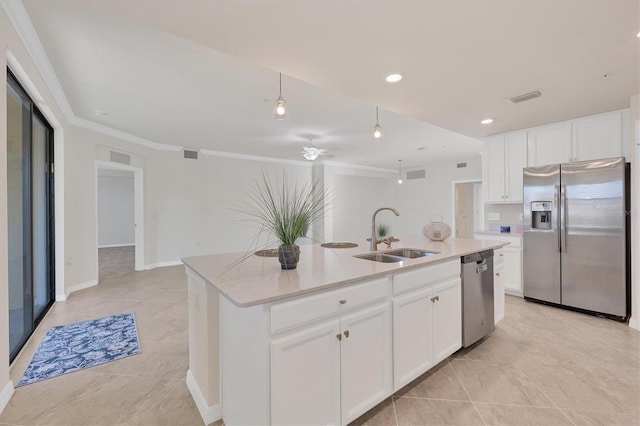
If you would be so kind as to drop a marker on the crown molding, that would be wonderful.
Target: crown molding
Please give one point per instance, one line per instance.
(255, 158)
(357, 166)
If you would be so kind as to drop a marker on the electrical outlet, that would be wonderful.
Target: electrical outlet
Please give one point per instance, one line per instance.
(493, 216)
(69, 261)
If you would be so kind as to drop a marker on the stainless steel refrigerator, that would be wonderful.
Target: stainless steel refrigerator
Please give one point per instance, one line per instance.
(576, 236)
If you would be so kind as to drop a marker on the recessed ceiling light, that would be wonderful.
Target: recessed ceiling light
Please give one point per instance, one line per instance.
(638, 35)
(393, 78)
(101, 114)
(487, 121)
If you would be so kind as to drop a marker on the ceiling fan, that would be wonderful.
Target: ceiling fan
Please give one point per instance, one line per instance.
(311, 152)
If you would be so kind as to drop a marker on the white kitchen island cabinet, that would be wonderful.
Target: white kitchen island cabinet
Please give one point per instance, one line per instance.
(321, 344)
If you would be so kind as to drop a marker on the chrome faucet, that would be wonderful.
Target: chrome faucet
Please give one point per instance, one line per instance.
(375, 241)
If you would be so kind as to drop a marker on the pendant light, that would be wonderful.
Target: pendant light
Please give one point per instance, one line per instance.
(399, 172)
(280, 110)
(377, 130)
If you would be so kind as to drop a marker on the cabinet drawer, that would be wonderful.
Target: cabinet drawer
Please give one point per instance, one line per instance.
(498, 257)
(406, 281)
(308, 308)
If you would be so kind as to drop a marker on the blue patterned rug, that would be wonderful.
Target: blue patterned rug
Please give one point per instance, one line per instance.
(83, 344)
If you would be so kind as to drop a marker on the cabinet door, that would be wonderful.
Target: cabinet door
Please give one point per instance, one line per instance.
(447, 319)
(494, 169)
(550, 144)
(366, 360)
(498, 292)
(513, 270)
(598, 137)
(305, 376)
(515, 148)
(412, 324)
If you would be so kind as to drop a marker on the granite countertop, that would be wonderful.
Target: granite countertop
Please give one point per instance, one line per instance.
(257, 280)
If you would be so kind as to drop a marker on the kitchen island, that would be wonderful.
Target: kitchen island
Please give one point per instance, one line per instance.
(322, 343)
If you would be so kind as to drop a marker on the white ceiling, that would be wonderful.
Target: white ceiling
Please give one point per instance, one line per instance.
(196, 73)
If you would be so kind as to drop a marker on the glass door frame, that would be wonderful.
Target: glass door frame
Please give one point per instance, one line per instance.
(27, 213)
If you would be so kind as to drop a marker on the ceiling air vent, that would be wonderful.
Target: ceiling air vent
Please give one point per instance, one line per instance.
(526, 96)
(119, 157)
(415, 174)
(192, 155)
(461, 165)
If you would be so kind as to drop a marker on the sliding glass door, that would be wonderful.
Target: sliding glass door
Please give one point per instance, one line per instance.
(30, 215)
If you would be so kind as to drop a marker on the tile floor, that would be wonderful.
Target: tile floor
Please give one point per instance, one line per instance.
(541, 366)
(112, 260)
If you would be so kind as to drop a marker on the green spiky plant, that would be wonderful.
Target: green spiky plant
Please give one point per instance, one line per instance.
(383, 230)
(284, 209)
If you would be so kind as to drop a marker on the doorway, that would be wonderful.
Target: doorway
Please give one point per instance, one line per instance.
(468, 208)
(119, 218)
(30, 201)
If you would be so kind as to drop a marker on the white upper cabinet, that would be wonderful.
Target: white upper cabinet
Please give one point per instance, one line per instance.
(504, 158)
(599, 136)
(550, 144)
(588, 138)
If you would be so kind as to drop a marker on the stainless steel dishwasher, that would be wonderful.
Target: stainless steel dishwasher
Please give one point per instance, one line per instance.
(477, 296)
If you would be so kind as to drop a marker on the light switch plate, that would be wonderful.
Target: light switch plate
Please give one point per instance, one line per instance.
(494, 216)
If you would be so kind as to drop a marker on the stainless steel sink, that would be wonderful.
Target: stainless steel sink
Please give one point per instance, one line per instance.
(410, 253)
(397, 255)
(380, 257)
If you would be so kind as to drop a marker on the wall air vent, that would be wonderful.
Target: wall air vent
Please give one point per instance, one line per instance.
(190, 154)
(416, 174)
(119, 157)
(461, 165)
(526, 96)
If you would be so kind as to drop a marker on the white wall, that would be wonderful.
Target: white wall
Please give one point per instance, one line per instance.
(116, 224)
(420, 200)
(355, 195)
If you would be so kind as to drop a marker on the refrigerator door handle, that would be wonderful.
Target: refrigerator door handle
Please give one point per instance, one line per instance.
(556, 197)
(563, 217)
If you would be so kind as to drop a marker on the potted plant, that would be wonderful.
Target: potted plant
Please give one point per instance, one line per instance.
(285, 210)
(383, 230)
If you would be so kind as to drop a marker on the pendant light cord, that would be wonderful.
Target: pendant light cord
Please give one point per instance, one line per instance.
(280, 84)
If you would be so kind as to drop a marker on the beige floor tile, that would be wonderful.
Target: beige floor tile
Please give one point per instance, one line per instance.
(438, 383)
(599, 418)
(381, 415)
(518, 415)
(414, 411)
(581, 390)
(493, 382)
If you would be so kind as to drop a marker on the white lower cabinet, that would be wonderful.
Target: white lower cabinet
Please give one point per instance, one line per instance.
(427, 320)
(334, 355)
(412, 340)
(365, 360)
(498, 286)
(334, 372)
(305, 376)
(447, 319)
(513, 270)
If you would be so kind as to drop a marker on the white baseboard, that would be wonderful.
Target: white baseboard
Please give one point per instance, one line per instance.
(162, 264)
(116, 245)
(513, 292)
(633, 323)
(76, 287)
(5, 395)
(209, 413)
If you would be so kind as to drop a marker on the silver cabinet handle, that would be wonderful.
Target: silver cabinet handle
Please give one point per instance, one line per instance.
(339, 336)
(435, 299)
(343, 301)
(346, 334)
(498, 273)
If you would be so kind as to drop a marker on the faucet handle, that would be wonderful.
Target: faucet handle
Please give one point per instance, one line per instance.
(388, 241)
